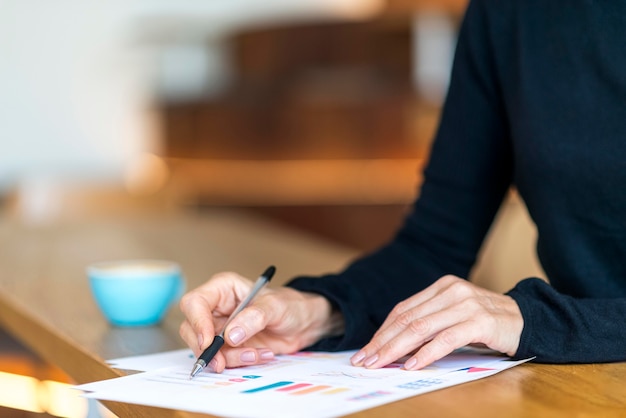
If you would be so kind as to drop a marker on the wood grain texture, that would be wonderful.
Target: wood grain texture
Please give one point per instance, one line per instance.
(46, 303)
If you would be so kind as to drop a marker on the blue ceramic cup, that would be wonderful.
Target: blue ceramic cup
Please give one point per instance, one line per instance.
(135, 292)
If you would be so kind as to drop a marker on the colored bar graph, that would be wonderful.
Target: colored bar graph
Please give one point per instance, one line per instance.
(267, 387)
(293, 388)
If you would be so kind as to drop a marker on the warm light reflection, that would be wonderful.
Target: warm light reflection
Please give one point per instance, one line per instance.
(146, 175)
(359, 9)
(62, 400)
(19, 392)
(30, 394)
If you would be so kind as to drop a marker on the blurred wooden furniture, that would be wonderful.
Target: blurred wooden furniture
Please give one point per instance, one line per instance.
(325, 89)
(451, 7)
(331, 104)
(45, 302)
(322, 89)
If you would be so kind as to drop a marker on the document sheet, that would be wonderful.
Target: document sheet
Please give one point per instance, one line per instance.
(305, 384)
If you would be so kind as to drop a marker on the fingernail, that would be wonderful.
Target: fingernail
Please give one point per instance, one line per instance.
(412, 362)
(358, 358)
(266, 354)
(237, 335)
(200, 340)
(212, 364)
(248, 357)
(371, 360)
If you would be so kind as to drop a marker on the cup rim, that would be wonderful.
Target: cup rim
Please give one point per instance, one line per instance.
(114, 268)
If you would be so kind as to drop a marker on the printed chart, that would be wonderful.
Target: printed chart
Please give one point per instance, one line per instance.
(304, 385)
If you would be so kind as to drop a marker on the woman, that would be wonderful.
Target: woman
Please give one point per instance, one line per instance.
(537, 100)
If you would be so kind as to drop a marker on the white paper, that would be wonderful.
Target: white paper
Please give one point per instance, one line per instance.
(154, 361)
(307, 384)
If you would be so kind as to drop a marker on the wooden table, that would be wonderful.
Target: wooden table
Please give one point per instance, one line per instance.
(46, 303)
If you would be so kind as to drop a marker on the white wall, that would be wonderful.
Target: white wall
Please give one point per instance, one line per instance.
(72, 89)
(77, 76)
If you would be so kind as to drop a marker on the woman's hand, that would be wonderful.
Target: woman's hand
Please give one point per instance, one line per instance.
(449, 314)
(277, 321)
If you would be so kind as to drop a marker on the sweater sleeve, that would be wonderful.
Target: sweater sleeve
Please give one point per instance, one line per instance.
(563, 329)
(468, 173)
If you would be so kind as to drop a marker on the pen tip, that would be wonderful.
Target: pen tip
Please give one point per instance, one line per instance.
(196, 369)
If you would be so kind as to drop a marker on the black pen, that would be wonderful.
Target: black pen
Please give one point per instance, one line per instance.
(210, 352)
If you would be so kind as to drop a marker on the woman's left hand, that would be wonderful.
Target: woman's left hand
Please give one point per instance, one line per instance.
(449, 314)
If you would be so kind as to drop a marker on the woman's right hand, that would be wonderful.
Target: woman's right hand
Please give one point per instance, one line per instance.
(277, 321)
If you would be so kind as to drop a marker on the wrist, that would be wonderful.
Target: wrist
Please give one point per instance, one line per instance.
(324, 319)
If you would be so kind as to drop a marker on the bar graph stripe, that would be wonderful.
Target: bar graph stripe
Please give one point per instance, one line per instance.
(268, 387)
(311, 389)
(294, 387)
(334, 391)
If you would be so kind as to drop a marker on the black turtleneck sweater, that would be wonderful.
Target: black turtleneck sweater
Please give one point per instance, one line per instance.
(537, 101)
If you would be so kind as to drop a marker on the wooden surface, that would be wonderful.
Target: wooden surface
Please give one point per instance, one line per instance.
(46, 303)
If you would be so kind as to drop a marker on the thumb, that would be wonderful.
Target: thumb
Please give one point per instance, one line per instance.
(246, 324)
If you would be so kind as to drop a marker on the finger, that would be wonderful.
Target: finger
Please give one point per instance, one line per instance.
(426, 295)
(204, 306)
(249, 322)
(398, 322)
(199, 321)
(271, 321)
(246, 356)
(443, 344)
(218, 363)
(421, 322)
(190, 337)
(414, 335)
